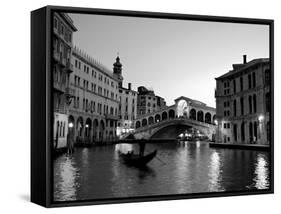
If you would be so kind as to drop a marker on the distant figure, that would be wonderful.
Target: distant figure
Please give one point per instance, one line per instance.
(254, 139)
(142, 146)
(70, 143)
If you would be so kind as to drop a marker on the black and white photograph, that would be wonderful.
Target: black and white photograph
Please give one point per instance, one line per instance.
(149, 106)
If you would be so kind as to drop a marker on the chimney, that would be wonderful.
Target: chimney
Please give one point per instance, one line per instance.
(244, 59)
(130, 86)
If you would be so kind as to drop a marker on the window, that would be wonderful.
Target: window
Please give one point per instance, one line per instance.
(62, 29)
(267, 102)
(250, 104)
(55, 23)
(254, 103)
(234, 108)
(241, 83)
(235, 132)
(242, 105)
(243, 131)
(249, 81)
(78, 104)
(254, 79)
(267, 76)
(234, 86)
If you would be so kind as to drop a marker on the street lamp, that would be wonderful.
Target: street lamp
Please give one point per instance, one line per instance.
(70, 125)
(261, 117)
(216, 122)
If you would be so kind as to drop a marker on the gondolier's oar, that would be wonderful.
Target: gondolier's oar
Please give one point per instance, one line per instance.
(160, 160)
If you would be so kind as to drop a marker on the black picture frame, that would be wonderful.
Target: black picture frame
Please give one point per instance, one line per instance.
(41, 103)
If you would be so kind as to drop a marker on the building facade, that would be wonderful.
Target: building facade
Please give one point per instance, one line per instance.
(148, 102)
(94, 110)
(62, 68)
(243, 103)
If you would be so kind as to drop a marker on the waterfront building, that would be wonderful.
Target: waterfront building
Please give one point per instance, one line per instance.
(94, 110)
(62, 68)
(161, 103)
(148, 102)
(127, 102)
(243, 103)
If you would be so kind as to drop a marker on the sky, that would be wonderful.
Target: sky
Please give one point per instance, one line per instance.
(173, 57)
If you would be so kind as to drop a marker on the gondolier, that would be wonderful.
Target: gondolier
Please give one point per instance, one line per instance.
(142, 146)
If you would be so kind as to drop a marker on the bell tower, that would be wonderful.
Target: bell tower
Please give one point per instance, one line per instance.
(117, 71)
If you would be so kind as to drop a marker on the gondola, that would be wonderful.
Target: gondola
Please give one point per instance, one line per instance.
(136, 160)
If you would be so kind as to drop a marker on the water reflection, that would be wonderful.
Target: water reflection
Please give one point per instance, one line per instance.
(186, 167)
(261, 172)
(215, 173)
(65, 180)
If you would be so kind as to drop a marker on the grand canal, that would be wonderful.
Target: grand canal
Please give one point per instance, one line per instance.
(187, 167)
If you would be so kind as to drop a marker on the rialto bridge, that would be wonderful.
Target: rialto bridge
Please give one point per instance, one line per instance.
(184, 114)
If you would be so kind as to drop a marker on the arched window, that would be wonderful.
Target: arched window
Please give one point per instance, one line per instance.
(157, 118)
(164, 115)
(138, 124)
(150, 120)
(200, 116)
(171, 113)
(144, 122)
(208, 118)
(192, 114)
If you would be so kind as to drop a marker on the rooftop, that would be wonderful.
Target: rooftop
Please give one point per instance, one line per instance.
(237, 68)
(93, 62)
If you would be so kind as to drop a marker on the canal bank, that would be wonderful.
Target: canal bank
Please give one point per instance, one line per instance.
(240, 146)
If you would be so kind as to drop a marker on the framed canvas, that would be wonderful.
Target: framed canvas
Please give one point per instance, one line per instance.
(132, 106)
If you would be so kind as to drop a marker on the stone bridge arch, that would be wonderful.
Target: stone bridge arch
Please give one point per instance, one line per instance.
(207, 129)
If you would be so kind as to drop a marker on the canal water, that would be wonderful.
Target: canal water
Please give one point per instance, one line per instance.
(186, 167)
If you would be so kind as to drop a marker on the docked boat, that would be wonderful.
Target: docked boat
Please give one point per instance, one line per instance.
(135, 159)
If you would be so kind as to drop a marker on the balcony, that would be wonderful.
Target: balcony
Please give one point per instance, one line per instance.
(111, 117)
(69, 66)
(70, 91)
(60, 110)
(62, 60)
(56, 56)
(59, 86)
